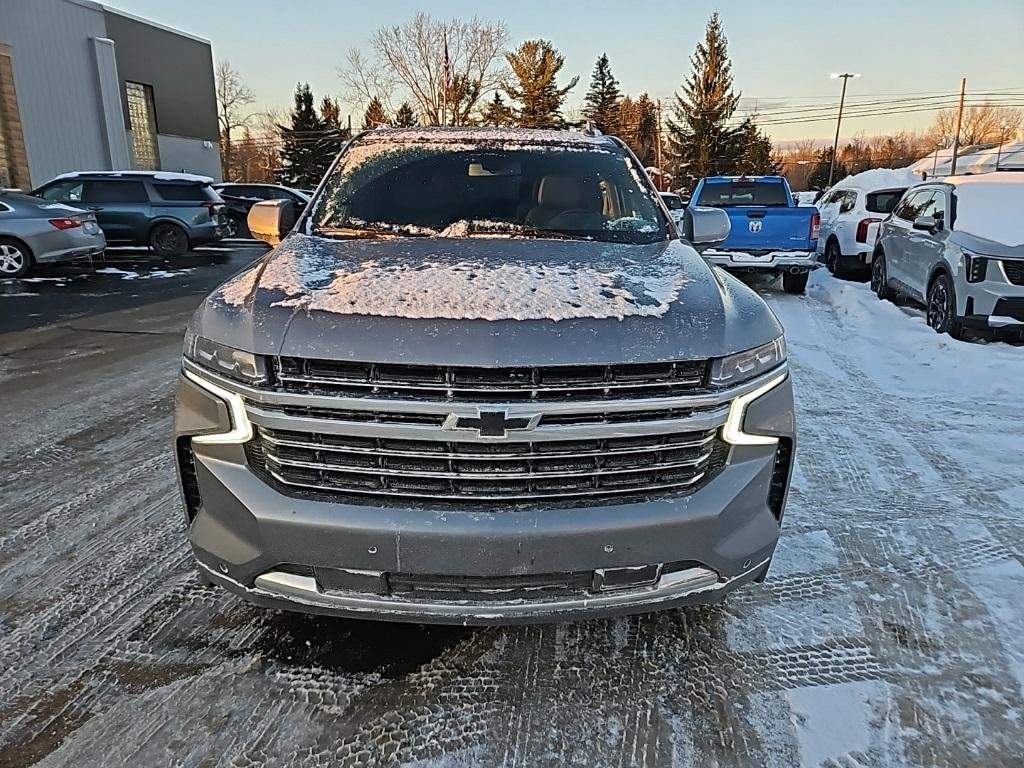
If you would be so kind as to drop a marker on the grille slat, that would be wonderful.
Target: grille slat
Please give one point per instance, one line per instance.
(448, 383)
(1014, 271)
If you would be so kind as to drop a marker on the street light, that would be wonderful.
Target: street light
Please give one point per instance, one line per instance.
(842, 99)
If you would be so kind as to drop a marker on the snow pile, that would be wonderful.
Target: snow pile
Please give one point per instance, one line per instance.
(990, 206)
(313, 279)
(879, 178)
(158, 175)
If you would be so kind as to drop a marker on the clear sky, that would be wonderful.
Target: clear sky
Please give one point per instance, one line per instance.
(782, 50)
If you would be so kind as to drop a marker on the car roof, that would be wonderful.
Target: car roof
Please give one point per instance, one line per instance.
(154, 175)
(489, 136)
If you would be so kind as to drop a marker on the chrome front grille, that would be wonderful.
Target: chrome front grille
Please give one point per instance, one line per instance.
(487, 472)
(460, 383)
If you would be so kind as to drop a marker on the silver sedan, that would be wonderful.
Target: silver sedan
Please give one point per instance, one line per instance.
(33, 231)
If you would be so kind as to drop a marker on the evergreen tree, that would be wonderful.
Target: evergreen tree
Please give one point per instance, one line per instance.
(639, 127)
(497, 113)
(700, 137)
(405, 117)
(819, 176)
(535, 65)
(601, 104)
(301, 163)
(756, 153)
(374, 115)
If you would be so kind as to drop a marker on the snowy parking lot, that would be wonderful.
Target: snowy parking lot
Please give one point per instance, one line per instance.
(890, 631)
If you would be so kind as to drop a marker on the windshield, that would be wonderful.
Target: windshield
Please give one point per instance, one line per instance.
(434, 189)
(725, 194)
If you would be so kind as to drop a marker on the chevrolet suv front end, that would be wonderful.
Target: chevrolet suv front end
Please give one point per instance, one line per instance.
(482, 381)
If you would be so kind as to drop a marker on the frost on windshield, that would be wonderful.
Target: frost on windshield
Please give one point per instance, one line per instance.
(367, 277)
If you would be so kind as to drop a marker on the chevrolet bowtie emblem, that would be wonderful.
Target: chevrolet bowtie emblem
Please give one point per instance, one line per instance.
(495, 424)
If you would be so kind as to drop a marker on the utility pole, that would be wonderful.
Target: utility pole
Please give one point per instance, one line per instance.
(959, 121)
(842, 100)
(657, 150)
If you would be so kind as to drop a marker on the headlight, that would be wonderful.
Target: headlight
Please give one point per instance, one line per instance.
(233, 363)
(743, 366)
(975, 266)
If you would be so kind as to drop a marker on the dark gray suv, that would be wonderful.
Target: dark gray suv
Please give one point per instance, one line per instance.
(483, 380)
(168, 212)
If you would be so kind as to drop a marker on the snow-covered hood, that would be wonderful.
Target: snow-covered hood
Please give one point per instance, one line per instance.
(484, 301)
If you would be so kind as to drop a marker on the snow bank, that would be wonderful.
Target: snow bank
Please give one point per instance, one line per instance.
(990, 206)
(913, 360)
(879, 178)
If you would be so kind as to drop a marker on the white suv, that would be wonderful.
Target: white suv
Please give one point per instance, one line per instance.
(849, 226)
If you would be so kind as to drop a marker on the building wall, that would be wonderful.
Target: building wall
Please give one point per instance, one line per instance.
(199, 156)
(55, 77)
(178, 67)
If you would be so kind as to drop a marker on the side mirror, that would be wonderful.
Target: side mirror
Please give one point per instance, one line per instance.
(271, 220)
(705, 227)
(927, 224)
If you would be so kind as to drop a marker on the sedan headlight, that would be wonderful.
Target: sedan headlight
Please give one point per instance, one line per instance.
(743, 366)
(227, 361)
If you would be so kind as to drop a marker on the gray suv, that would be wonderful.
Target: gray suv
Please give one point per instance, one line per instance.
(168, 212)
(483, 380)
(958, 247)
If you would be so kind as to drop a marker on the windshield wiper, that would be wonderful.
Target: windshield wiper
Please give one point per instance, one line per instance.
(366, 233)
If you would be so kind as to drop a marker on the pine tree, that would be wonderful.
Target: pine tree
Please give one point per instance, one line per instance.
(700, 137)
(374, 115)
(639, 127)
(601, 104)
(819, 176)
(497, 113)
(405, 117)
(535, 65)
(756, 153)
(301, 163)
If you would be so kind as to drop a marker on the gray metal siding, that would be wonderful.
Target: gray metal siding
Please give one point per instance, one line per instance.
(56, 80)
(180, 70)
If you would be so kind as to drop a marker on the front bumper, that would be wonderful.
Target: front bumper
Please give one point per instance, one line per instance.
(994, 303)
(767, 260)
(249, 536)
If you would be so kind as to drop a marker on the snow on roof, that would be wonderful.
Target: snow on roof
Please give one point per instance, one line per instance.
(158, 175)
(879, 178)
(989, 206)
(457, 134)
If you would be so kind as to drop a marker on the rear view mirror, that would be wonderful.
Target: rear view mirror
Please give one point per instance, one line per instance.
(271, 220)
(705, 227)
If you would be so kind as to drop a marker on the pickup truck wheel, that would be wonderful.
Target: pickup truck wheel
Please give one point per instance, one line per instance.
(880, 278)
(15, 258)
(168, 240)
(942, 307)
(795, 282)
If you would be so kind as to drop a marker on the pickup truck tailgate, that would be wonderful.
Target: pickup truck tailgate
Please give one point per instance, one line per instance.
(770, 228)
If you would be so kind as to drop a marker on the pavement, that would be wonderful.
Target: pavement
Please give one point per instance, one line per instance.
(890, 631)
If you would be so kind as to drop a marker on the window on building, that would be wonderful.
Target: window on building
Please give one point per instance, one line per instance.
(142, 116)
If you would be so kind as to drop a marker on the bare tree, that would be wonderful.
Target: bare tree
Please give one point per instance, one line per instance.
(412, 56)
(232, 97)
(982, 124)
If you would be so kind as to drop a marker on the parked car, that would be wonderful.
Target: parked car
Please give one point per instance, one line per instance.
(851, 213)
(466, 388)
(770, 233)
(676, 206)
(33, 232)
(958, 246)
(240, 198)
(169, 212)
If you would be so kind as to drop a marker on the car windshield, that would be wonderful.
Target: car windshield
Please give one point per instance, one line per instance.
(458, 188)
(725, 194)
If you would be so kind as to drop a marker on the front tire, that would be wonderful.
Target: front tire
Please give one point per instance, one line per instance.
(942, 307)
(15, 258)
(168, 240)
(880, 277)
(795, 283)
